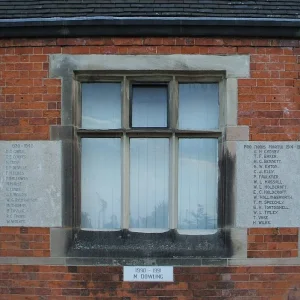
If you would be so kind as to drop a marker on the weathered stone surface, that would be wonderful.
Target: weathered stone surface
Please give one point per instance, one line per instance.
(268, 184)
(30, 183)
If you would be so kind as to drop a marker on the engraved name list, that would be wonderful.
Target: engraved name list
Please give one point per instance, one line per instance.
(16, 183)
(267, 189)
(30, 183)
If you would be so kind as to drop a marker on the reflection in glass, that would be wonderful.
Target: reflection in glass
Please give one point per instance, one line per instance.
(101, 183)
(149, 105)
(197, 183)
(101, 105)
(149, 177)
(198, 106)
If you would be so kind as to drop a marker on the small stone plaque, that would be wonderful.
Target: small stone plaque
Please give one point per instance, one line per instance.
(30, 183)
(268, 184)
(148, 273)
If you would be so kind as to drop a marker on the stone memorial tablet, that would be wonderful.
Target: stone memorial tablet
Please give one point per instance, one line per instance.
(30, 183)
(268, 184)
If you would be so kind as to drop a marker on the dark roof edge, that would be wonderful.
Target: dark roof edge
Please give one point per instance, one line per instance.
(149, 26)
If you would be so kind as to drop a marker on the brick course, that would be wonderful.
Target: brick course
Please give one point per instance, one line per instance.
(268, 101)
(272, 242)
(202, 283)
(24, 241)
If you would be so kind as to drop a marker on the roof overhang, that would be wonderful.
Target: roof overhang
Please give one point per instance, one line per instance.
(148, 26)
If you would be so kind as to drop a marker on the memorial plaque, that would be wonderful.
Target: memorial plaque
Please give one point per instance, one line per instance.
(148, 273)
(30, 183)
(268, 184)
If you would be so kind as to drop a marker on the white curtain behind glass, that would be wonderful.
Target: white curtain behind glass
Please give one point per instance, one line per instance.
(197, 183)
(149, 182)
(101, 183)
(149, 106)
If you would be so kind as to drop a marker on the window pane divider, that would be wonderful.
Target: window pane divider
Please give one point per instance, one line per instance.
(198, 133)
(100, 133)
(125, 182)
(125, 176)
(173, 112)
(173, 178)
(147, 133)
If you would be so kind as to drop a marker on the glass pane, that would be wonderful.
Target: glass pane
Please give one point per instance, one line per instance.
(198, 106)
(149, 188)
(198, 183)
(149, 105)
(101, 183)
(101, 105)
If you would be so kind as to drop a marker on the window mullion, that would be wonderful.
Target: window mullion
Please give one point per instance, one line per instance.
(125, 103)
(173, 203)
(125, 182)
(173, 111)
(125, 155)
(173, 103)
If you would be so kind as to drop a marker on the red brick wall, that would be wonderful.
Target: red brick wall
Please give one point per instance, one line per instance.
(269, 103)
(106, 283)
(272, 242)
(16, 241)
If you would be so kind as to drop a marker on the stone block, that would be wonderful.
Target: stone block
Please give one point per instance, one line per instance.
(30, 183)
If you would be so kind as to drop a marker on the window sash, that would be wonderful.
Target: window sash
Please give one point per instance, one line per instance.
(126, 132)
(172, 183)
(127, 81)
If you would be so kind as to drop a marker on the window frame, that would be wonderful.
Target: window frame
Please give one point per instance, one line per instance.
(127, 79)
(230, 241)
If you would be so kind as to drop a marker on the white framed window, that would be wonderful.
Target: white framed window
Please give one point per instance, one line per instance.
(149, 152)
